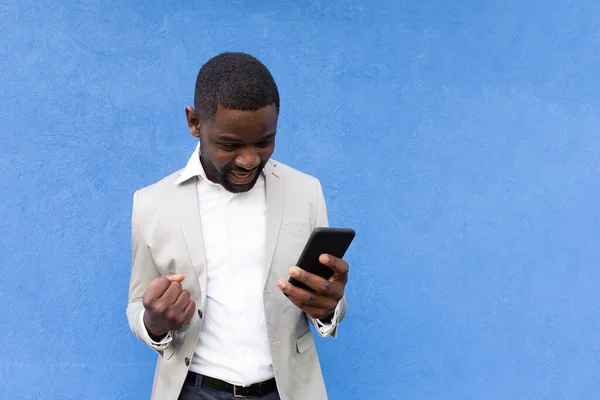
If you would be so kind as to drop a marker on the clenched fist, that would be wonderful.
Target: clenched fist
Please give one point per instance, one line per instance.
(168, 307)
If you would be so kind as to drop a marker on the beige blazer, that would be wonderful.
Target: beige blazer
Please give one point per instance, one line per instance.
(167, 237)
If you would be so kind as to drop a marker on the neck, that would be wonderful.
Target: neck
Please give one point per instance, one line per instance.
(208, 170)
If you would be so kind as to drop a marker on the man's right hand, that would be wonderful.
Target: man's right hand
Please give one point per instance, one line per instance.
(167, 306)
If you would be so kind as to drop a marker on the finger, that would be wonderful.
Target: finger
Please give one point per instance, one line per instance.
(182, 301)
(306, 298)
(172, 293)
(189, 312)
(339, 266)
(315, 312)
(315, 282)
(158, 286)
(156, 289)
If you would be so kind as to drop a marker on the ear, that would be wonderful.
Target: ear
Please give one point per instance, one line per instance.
(193, 121)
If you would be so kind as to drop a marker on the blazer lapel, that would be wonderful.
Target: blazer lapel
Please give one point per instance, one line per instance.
(275, 196)
(189, 217)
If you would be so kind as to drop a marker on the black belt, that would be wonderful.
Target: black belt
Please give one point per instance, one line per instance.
(254, 390)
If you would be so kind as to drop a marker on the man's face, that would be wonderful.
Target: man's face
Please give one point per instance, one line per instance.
(235, 145)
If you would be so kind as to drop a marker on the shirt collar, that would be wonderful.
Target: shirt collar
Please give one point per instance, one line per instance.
(193, 168)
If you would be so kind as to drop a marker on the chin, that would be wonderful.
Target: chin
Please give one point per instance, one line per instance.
(236, 188)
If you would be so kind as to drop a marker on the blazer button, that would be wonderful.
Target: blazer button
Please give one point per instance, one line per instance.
(187, 362)
(200, 313)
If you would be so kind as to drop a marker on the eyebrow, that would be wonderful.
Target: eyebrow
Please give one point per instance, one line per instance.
(269, 136)
(229, 139)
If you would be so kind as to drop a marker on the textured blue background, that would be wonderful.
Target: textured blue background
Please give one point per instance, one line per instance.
(461, 139)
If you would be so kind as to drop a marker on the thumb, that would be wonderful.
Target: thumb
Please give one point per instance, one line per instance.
(175, 277)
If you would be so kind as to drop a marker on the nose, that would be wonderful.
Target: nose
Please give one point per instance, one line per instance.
(247, 159)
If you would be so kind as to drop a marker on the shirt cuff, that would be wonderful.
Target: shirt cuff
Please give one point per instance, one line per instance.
(327, 328)
(159, 346)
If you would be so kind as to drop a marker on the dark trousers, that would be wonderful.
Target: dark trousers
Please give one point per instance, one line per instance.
(195, 391)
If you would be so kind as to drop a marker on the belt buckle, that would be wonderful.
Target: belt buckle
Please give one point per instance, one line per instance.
(239, 396)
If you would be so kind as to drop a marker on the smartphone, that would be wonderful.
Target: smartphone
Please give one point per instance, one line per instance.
(334, 241)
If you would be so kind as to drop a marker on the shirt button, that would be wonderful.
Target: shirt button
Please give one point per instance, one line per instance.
(200, 313)
(187, 362)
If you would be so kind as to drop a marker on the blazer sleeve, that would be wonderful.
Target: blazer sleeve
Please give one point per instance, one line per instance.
(143, 271)
(321, 220)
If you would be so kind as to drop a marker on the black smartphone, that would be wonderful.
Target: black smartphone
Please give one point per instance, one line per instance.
(334, 241)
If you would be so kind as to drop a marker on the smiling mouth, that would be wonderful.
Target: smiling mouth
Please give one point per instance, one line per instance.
(242, 178)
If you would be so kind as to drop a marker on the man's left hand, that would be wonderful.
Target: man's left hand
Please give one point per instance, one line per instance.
(327, 293)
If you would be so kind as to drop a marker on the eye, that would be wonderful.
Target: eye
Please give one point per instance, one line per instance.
(265, 143)
(228, 146)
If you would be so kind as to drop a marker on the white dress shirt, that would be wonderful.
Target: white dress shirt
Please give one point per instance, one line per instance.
(233, 344)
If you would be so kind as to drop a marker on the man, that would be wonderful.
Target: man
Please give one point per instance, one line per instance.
(213, 247)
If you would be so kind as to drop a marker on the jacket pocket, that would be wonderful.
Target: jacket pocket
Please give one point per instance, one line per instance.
(305, 342)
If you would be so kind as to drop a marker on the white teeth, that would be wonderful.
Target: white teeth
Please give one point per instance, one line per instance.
(242, 176)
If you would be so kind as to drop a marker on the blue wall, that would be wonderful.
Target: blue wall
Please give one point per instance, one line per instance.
(461, 139)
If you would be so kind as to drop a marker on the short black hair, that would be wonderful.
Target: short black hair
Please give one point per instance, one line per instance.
(234, 80)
